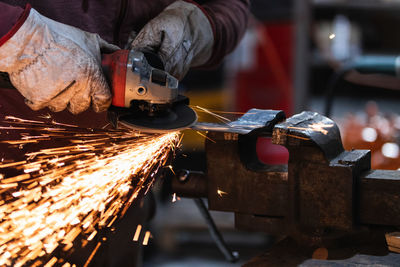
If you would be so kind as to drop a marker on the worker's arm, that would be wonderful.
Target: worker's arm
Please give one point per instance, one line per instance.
(186, 34)
(52, 64)
(9, 16)
(229, 20)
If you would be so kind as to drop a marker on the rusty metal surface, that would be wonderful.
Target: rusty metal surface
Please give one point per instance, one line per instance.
(257, 223)
(324, 196)
(241, 189)
(380, 197)
(322, 175)
(326, 192)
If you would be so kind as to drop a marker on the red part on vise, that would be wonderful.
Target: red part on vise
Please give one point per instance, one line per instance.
(114, 67)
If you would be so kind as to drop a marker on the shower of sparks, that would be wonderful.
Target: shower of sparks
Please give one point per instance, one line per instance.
(315, 127)
(81, 182)
(221, 193)
(219, 117)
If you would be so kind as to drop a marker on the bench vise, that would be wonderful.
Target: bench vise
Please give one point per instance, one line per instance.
(323, 195)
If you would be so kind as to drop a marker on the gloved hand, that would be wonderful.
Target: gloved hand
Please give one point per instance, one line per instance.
(55, 65)
(181, 35)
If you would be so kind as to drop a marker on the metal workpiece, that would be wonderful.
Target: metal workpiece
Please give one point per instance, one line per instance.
(254, 121)
(309, 129)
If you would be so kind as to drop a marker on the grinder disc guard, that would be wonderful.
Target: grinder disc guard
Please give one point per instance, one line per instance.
(179, 117)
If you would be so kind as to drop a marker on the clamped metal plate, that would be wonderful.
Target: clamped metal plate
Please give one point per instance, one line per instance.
(254, 121)
(310, 127)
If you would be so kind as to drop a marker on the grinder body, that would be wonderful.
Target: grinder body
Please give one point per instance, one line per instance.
(145, 97)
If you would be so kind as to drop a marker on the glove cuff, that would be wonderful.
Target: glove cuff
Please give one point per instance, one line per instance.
(17, 25)
(212, 24)
(23, 40)
(201, 38)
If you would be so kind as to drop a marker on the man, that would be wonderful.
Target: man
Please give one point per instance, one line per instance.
(57, 66)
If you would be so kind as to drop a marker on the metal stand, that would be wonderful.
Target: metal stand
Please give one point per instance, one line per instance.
(231, 256)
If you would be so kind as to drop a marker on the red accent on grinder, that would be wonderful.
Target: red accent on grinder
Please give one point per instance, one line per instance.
(114, 67)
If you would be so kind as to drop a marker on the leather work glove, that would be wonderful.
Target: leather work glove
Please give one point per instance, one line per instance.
(57, 66)
(181, 35)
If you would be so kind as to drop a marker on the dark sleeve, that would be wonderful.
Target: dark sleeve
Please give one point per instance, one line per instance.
(228, 19)
(9, 15)
(11, 19)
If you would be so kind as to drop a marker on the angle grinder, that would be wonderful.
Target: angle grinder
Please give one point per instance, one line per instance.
(145, 97)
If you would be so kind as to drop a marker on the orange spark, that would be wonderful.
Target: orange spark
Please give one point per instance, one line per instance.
(137, 233)
(219, 117)
(205, 136)
(92, 254)
(316, 127)
(171, 168)
(221, 193)
(175, 198)
(320, 127)
(146, 238)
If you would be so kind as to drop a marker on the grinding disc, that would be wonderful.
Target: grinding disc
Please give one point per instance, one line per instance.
(178, 118)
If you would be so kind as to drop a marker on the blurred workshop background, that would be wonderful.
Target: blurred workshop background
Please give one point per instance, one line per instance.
(295, 56)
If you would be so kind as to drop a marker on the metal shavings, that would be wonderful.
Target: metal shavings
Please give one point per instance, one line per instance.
(73, 188)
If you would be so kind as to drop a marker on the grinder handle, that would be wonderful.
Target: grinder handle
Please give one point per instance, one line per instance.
(109, 63)
(114, 68)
